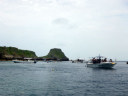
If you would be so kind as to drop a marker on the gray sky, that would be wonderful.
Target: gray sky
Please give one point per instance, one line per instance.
(81, 28)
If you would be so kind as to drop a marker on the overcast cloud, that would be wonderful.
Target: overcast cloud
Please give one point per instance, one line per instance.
(81, 28)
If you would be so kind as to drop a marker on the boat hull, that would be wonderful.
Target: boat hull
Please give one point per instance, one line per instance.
(24, 61)
(101, 65)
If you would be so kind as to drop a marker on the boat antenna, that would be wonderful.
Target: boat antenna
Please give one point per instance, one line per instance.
(99, 56)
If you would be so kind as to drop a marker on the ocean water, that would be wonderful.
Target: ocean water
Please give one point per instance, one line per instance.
(62, 79)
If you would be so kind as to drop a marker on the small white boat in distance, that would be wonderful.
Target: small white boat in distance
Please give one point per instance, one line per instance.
(26, 61)
(100, 62)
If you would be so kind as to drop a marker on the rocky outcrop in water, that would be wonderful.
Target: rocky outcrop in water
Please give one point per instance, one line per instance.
(9, 53)
(56, 54)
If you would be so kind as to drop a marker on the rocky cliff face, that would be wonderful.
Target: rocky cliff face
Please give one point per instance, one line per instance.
(56, 54)
(12, 52)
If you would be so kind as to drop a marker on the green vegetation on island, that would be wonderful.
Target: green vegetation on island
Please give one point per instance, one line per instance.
(56, 54)
(12, 52)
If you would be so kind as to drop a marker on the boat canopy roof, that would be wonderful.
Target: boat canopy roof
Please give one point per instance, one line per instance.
(101, 57)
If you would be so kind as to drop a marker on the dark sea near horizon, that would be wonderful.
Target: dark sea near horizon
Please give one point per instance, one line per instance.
(62, 79)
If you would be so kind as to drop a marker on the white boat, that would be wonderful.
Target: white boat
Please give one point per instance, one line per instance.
(100, 63)
(27, 61)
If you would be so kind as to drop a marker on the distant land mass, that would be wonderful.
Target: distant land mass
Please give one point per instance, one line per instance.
(15, 53)
(56, 54)
(10, 53)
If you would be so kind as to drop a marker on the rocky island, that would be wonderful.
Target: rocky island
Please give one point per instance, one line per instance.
(10, 53)
(56, 54)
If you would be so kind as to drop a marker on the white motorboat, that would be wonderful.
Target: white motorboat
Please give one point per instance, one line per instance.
(26, 61)
(100, 63)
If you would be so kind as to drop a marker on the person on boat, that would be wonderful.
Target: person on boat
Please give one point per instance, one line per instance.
(105, 60)
(110, 60)
(99, 60)
(94, 60)
(102, 60)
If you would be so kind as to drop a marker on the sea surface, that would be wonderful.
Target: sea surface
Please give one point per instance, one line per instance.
(62, 79)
